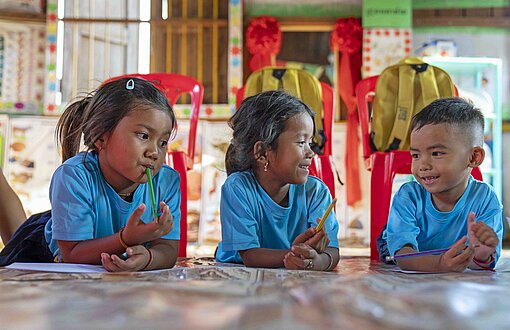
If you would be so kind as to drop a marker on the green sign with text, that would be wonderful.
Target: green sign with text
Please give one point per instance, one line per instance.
(387, 13)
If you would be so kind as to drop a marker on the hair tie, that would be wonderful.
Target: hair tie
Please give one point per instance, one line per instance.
(130, 85)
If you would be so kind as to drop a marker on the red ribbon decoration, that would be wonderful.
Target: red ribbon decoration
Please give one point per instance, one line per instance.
(263, 41)
(346, 38)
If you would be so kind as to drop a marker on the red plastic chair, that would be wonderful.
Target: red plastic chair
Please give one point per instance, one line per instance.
(322, 165)
(173, 85)
(383, 165)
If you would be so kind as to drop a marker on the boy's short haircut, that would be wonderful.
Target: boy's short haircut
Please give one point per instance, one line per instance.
(456, 111)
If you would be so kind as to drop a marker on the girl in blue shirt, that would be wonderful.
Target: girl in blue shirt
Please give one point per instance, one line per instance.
(269, 205)
(100, 198)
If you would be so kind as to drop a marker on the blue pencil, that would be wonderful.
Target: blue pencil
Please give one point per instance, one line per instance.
(416, 254)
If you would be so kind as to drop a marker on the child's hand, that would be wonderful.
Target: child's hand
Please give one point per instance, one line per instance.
(137, 232)
(455, 261)
(166, 220)
(138, 258)
(482, 238)
(301, 256)
(319, 241)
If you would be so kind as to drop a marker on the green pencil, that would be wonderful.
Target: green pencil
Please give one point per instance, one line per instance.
(153, 197)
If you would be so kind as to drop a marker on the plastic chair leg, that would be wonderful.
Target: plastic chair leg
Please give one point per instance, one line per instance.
(178, 163)
(380, 197)
(322, 167)
(328, 175)
(315, 167)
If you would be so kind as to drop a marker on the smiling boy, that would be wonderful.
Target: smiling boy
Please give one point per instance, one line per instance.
(445, 207)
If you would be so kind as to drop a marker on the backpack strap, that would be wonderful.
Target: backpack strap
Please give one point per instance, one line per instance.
(426, 78)
(272, 79)
(405, 102)
(429, 89)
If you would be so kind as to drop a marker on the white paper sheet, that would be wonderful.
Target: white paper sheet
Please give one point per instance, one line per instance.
(57, 267)
(467, 270)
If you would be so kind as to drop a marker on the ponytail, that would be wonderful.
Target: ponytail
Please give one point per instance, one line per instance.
(232, 161)
(240, 157)
(70, 128)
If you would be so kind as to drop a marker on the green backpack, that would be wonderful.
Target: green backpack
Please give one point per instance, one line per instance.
(298, 83)
(403, 90)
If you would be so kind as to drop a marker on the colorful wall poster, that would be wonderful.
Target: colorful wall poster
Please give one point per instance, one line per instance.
(180, 142)
(21, 67)
(354, 221)
(383, 47)
(4, 121)
(30, 159)
(217, 137)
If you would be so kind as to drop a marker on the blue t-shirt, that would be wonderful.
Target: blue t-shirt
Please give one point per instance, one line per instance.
(414, 219)
(251, 219)
(85, 206)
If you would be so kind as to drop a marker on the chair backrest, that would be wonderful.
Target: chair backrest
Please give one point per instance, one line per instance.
(173, 85)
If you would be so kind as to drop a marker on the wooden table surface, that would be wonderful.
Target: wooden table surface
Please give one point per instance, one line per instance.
(198, 294)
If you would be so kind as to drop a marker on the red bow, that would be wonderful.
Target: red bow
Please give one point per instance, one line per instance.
(263, 41)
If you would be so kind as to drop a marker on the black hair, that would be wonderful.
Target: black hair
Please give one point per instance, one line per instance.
(101, 111)
(455, 111)
(261, 117)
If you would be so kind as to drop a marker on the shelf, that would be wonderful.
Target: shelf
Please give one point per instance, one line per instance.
(465, 64)
(17, 17)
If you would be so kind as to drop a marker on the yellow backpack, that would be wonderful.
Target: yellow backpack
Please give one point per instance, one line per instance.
(402, 90)
(296, 82)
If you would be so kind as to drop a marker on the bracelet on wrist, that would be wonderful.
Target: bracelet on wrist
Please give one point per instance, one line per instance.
(150, 260)
(121, 240)
(330, 260)
(485, 264)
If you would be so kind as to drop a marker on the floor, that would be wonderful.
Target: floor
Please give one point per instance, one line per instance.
(201, 294)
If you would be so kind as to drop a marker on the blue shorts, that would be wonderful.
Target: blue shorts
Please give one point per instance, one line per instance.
(382, 247)
(28, 243)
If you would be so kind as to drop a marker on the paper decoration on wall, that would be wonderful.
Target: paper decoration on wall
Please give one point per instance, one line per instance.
(51, 58)
(194, 175)
(438, 47)
(211, 111)
(4, 119)
(2, 54)
(235, 40)
(350, 235)
(23, 6)
(213, 176)
(30, 160)
(383, 47)
(21, 68)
